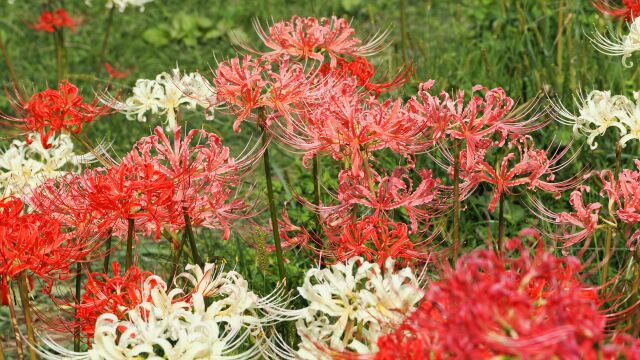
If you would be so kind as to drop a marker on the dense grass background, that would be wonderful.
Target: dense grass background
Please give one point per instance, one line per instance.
(520, 45)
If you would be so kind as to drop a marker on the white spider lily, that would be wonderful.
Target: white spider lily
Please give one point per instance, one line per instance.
(620, 45)
(351, 304)
(165, 95)
(631, 119)
(214, 316)
(24, 166)
(598, 112)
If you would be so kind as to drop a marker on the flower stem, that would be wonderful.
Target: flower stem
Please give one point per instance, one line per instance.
(192, 239)
(501, 225)
(618, 161)
(14, 325)
(176, 258)
(560, 47)
(1, 351)
(129, 258)
(10, 69)
(607, 254)
(107, 255)
(105, 40)
(24, 298)
(272, 207)
(456, 198)
(316, 192)
(76, 334)
(58, 41)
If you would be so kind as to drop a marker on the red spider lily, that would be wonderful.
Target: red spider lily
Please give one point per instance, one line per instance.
(249, 84)
(584, 217)
(376, 240)
(203, 175)
(53, 111)
(104, 294)
(311, 38)
(363, 71)
(625, 193)
(534, 168)
(533, 307)
(50, 21)
(35, 243)
(116, 74)
(103, 200)
(623, 346)
(384, 194)
(628, 10)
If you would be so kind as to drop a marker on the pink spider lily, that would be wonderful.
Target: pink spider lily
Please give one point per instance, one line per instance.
(584, 217)
(53, 111)
(628, 10)
(535, 168)
(531, 307)
(311, 38)
(248, 84)
(203, 176)
(625, 195)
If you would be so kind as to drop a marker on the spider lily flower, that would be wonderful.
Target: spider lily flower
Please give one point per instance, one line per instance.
(35, 243)
(311, 38)
(631, 119)
(585, 217)
(363, 72)
(24, 166)
(532, 306)
(619, 45)
(211, 316)
(624, 195)
(52, 21)
(280, 89)
(534, 167)
(165, 95)
(121, 5)
(352, 304)
(628, 10)
(203, 176)
(103, 294)
(53, 111)
(114, 73)
(598, 112)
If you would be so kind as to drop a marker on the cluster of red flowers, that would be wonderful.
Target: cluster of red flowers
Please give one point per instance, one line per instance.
(53, 111)
(51, 21)
(530, 306)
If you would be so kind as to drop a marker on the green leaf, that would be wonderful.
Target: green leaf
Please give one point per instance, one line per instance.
(157, 36)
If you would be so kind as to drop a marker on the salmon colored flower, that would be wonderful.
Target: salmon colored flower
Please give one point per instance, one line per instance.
(52, 21)
(364, 72)
(54, 111)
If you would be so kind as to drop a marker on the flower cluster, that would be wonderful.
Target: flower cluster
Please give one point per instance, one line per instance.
(352, 304)
(620, 45)
(24, 166)
(51, 21)
(165, 95)
(54, 111)
(209, 314)
(531, 306)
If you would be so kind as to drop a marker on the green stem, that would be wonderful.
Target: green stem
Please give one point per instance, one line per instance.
(76, 334)
(403, 30)
(272, 207)
(58, 41)
(316, 192)
(24, 298)
(130, 232)
(105, 40)
(618, 160)
(176, 258)
(501, 225)
(107, 256)
(192, 239)
(10, 69)
(560, 47)
(14, 324)
(607, 254)
(456, 198)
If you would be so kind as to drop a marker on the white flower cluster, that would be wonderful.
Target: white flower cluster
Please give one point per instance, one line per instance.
(218, 318)
(165, 95)
(121, 5)
(620, 45)
(599, 111)
(24, 166)
(351, 304)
